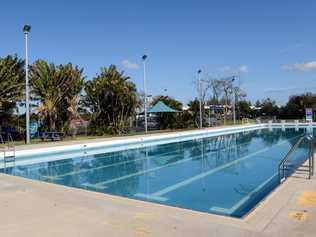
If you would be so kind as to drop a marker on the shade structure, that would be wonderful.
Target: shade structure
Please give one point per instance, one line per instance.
(161, 107)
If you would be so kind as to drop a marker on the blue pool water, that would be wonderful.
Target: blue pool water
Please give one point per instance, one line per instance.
(226, 175)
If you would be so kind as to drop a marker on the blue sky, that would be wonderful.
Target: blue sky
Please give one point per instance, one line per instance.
(272, 44)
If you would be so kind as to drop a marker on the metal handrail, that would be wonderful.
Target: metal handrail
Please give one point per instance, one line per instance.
(282, 163)
(9, 153)
(2, 149)
(10, 140)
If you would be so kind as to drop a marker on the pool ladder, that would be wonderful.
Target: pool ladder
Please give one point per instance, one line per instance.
(8, 150)
(284, 164)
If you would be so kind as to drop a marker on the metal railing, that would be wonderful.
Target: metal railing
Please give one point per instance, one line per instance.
(8, 149)
(2, 147)
(11, 147)
(284, 166)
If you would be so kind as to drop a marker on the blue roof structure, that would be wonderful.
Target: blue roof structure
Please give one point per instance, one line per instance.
(161, 107)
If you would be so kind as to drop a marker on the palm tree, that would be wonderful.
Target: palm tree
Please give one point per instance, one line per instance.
(112, 100)
(52, 86)
(11, 79)
(69, 106)
(11, 85)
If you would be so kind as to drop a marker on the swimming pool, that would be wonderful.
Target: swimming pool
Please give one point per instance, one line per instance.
(224, 174)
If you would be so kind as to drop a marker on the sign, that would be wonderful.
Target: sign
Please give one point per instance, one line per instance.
(309, 114)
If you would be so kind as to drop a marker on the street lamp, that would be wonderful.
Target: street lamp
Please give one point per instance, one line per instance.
(200, 95)
(144, 57)
(234, 102)
(26, 30)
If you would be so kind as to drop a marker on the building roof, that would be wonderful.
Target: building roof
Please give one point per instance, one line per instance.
(161, 107)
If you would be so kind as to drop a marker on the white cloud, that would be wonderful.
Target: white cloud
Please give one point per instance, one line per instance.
(129, 65)
(307, 66)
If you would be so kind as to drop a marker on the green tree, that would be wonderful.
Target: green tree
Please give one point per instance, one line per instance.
(11, 86)
(194, 110)
(112, 99)
(68, 108)
(244, 109)
(52, 86)
(295, 107)
(269, 108)
(169, 120)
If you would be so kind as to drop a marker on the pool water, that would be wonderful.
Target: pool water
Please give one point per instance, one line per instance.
(226, 175)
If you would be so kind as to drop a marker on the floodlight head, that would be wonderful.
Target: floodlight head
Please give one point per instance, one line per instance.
(26, 29)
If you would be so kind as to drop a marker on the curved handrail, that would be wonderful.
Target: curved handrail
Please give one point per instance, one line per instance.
(281, 167)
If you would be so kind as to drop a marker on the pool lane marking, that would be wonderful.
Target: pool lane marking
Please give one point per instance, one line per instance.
(103, 184)
(91, 156)
(158, 195)
(56, 177)
(229, 211)
(84, 156)
(88, 156)
(96, 168)
(107, 155)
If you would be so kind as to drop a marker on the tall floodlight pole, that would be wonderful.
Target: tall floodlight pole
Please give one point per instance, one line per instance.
(234, 101)
(200, 96)
(26, 30)
(144, 57)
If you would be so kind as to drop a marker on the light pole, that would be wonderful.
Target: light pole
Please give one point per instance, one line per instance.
(144, 57)
(200, 95)
(26, 30)
(234, 101)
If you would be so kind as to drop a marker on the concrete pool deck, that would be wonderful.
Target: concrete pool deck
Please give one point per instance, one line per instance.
(33, 208)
